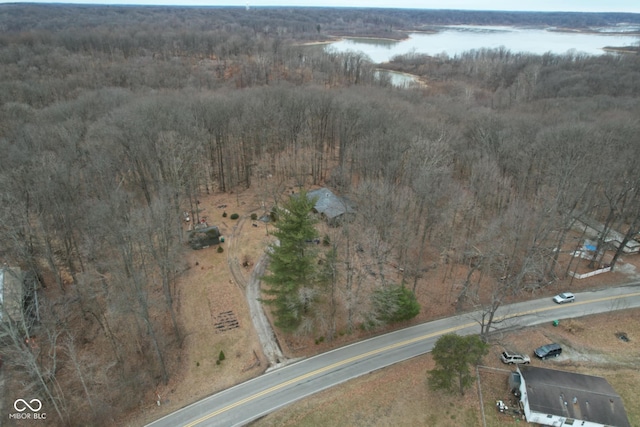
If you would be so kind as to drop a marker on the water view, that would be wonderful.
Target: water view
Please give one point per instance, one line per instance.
(397, 79)
(453, 40)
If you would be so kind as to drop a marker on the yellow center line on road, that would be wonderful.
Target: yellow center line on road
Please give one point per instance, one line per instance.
(555, 307)
(327, 368)
(383, 349)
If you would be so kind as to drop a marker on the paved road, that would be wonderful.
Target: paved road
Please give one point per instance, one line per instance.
(250, 400)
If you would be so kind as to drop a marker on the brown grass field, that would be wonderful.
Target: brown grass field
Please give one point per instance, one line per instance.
(399, 395)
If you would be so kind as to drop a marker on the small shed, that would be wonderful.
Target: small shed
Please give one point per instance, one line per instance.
(200, 238)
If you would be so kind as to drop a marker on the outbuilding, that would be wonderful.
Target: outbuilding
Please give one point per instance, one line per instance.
(200, 238)
(595, 229)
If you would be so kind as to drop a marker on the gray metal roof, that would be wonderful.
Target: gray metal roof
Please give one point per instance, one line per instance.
(329, 204)
(572, 395)
(11, 292)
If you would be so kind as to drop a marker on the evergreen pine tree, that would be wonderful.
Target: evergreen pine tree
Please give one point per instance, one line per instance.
(292, 261)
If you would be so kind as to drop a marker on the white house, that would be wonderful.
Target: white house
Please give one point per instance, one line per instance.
(558, 398)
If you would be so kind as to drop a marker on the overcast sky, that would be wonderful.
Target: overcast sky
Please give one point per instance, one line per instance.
(538, 5)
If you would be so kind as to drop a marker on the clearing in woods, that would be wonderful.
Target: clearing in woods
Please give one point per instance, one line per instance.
(214, 313)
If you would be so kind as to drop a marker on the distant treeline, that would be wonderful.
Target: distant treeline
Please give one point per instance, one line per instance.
(283, 22)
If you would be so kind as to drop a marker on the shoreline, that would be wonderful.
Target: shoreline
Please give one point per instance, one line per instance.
(318, 43)
(418, 80)
(341, 38)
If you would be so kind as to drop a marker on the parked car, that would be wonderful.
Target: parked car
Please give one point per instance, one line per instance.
(564, 297)
(549, 350)
(511, 358)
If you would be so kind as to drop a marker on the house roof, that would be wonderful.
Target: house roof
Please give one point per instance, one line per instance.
(11, 292)
(611, 236)
(572, 395)
(329, 204)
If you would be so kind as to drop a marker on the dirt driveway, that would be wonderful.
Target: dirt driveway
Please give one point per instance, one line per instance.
(216, 284)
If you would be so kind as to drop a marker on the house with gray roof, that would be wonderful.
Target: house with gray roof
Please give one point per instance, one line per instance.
(332, 208)
(559, 398)
(595, 229)
(11, 293)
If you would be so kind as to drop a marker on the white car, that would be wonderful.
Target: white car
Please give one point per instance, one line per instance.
(564, 297)
(511, 358)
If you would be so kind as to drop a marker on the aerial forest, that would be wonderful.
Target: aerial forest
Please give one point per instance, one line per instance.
(115, 120)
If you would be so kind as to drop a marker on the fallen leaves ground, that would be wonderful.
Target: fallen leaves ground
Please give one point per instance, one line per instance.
(396, 396)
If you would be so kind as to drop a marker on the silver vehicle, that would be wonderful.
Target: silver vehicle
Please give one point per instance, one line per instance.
(564, 297)
(511, 358)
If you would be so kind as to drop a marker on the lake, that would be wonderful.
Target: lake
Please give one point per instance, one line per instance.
(401, 80)
(453, 40)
